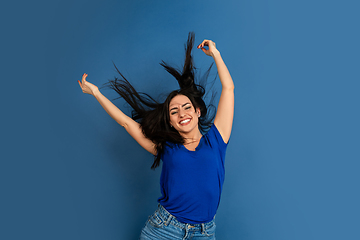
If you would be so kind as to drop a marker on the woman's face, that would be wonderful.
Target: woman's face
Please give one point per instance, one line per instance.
(183, 116)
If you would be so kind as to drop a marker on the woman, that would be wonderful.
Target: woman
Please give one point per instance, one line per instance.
(193, 164)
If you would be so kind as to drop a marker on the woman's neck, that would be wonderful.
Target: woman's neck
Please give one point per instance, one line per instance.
(192, 136)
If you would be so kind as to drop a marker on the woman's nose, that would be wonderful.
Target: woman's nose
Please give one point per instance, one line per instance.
(181, 112)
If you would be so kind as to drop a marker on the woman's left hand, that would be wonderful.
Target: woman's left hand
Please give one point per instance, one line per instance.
(210, 44)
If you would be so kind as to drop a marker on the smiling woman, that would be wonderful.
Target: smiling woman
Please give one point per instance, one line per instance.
(180, 132)
(184, 118)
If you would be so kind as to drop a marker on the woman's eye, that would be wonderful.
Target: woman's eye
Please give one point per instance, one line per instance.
(172, 113)
(187, 108)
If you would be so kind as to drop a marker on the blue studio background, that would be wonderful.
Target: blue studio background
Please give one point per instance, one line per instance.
(69, 171)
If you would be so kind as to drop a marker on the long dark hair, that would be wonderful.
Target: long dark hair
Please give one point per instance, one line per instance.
(154, 117)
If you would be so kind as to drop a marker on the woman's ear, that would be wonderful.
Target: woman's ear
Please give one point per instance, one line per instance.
(198, 112)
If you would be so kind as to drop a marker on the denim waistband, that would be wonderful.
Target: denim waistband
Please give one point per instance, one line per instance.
(170, 219)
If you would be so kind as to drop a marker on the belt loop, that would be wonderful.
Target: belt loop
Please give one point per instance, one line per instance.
(186, 231)
(168, 220)
(202, 228)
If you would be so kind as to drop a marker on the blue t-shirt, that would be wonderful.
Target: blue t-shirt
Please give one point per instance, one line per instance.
(191, 181)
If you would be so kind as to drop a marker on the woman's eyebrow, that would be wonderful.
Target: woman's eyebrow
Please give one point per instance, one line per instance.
(181, 106)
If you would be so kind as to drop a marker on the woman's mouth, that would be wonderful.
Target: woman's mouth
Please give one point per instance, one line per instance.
(185, 122)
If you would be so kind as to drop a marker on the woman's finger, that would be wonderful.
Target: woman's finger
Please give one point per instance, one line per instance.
(84, 77)
(201, 45)
(207, 43)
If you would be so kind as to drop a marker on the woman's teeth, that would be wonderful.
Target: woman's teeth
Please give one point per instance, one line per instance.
(185, 121)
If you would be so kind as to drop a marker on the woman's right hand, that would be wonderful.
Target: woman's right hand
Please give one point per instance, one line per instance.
(87, 87)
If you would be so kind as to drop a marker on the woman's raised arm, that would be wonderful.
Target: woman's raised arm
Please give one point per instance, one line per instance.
(131, 126)
(225, 112)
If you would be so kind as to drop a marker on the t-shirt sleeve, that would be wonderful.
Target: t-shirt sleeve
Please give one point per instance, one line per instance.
(215, 132)
(216, 139)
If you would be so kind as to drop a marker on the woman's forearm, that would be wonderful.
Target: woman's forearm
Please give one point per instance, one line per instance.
(132, 127)
(111, 109)
(224, 74)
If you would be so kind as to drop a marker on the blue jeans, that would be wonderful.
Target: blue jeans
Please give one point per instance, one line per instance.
(163, 225)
